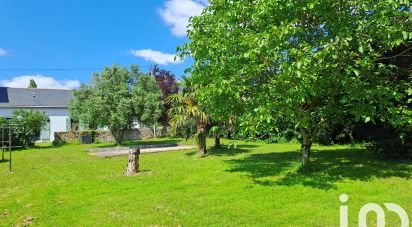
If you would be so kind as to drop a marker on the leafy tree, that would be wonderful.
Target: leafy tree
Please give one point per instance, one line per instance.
(308, 62)
(394, 138)
(29, 123)
(115, 98)
(147, 100)
(168, 85)
(3, 120)
(32, 84)
(185, 110)
(82, 107)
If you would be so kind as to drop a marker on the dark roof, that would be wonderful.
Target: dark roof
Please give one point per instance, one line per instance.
(4, 97)
(34, 97)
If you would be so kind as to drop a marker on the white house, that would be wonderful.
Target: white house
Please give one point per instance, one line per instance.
(53, 102)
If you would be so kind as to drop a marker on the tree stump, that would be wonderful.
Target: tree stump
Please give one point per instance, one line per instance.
(133, 163)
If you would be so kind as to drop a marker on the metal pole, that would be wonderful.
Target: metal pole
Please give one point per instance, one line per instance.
(2, 142)
(154, 129)
(10, 147)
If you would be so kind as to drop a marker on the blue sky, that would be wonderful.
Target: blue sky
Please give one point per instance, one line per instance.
(84, 36)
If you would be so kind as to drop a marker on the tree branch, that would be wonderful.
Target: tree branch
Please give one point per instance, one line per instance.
(317, 127)
(394, 56)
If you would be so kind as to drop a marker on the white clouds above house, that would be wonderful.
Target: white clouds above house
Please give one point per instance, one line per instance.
(176, 14)
(156, 56)
(3, 52)
(41, 81)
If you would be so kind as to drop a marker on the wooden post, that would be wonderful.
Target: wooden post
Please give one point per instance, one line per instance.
(133, 164)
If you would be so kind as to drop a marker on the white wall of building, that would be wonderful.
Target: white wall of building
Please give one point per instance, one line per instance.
(8, 112)
(58, 124)
(59, 117)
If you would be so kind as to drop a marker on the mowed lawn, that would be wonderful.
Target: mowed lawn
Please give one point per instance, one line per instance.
(256, 184)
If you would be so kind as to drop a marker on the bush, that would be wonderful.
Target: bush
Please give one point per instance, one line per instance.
(29, 122)
(3, 120)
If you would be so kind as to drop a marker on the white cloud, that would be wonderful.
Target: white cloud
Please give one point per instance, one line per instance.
(41, 81)
(3, 52)
(176, 14)
(156, 56)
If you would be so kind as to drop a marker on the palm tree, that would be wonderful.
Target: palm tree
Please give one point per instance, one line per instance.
(185, 109)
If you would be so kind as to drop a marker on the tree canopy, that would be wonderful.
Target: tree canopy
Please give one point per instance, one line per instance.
(32, 84)
(308, 62)
(117, 97)
(168, 85)
(147, 100)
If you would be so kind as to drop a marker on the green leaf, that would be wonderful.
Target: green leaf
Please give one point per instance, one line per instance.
(405, 35)
(361, 49)
(311, 5)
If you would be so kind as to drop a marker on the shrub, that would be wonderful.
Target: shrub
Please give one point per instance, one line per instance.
(29, 122)
(3, 120)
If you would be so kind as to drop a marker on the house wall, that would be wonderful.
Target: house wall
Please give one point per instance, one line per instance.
(58, 124)
(58, 117)
(8, 112)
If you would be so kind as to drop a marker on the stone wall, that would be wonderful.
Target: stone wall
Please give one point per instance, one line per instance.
(66, 136)
(107, 136)
(103, 136)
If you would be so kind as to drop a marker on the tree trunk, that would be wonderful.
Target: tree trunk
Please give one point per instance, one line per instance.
(352, 139)
(217, 138)
(305, 154)
(118, 136)
(217, 141)
(133, 163)
(201, 131)
(202, 145)
(229, 134)
(306, 146)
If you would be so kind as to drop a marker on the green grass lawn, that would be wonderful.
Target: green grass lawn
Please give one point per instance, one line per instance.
(256, 184)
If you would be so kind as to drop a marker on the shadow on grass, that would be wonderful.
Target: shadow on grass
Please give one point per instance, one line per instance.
(327, 167)
(106, 145)
(21, 148)
(37, 147)
(150, 142)
(225, 151)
